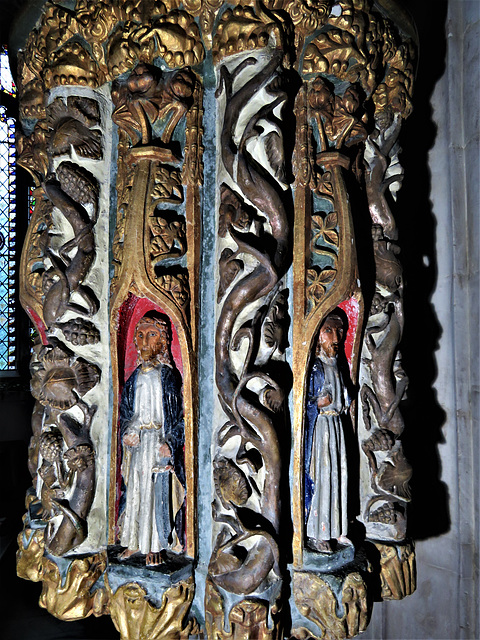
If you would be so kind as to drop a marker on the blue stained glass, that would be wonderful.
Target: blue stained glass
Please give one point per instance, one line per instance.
(7, 241)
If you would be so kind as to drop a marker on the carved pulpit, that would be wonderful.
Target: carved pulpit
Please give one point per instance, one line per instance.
(214, 276)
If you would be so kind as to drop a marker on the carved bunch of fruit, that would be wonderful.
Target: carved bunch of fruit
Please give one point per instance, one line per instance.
(67, 469)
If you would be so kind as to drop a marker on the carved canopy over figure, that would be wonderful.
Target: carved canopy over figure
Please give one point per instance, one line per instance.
(325, 451)
(152, 435)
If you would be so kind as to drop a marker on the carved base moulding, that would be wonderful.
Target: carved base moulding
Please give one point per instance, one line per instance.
(183, 507)
(237, 618)
(397, 570)
(338, 605)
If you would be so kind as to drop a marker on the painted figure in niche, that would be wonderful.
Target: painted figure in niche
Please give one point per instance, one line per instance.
(326, 518)
(152, 434)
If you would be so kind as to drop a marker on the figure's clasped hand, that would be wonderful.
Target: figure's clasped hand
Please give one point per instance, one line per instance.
(131, 440)
(164, 450)
(324, 401)
(165, 463)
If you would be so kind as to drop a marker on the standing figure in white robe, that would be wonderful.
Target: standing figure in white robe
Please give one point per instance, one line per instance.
(152, 433)
(326, 476)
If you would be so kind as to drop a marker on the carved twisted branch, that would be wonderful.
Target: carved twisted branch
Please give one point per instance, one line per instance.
(254, 418)
(384, 382)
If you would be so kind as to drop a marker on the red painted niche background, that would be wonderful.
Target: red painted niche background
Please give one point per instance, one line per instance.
(352, 309)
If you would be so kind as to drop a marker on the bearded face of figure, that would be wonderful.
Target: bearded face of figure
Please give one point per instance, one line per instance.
(149, 340)
(331, 337)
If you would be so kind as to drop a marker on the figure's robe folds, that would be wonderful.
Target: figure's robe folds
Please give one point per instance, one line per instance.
(152, 507)
(325, 454)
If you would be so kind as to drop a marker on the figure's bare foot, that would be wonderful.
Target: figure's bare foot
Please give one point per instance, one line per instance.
(154, 558)
(323, 546)
(128, 553)
(343, 540)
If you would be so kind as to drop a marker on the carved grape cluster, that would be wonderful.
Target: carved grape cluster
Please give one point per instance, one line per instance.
(80, 332)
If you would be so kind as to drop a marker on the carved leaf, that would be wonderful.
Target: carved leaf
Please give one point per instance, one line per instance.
(394, 475)
(317, 222)
(327, 276)
(176, 286)
(317, 281)
(230, 482)
(228, 270)
(331, 220)
(331, 236)
(232, 212)
(273, 398)
(274, 151)
(168, 186)
(86, 142)
(168, 238)
(273, 333)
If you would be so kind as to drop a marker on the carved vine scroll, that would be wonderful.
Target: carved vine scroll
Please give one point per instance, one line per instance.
(250, 338)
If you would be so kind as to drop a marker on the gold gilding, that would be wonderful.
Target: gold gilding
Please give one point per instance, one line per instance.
(248, 619)
(397, 570)
(135, 617)
(70, 597)
(336, 619)
(30, 554)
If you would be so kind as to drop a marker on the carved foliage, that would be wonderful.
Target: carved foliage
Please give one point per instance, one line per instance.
(168, 239)
(70, 125)
(135, 617)
(99, 41)
(397, 570)
(244, 29)
(152, 107)
(383, 380)
(70, 596)
(247, 476)
(57, 259)
(148, 95)
(342, 618)
(359, 45)
(60, 380)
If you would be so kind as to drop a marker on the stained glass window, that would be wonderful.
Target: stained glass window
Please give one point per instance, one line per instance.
(7, 223)
(6, 80)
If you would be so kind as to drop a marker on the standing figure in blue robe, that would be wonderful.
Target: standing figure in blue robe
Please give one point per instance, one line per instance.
(326, 473)
(152, 434)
